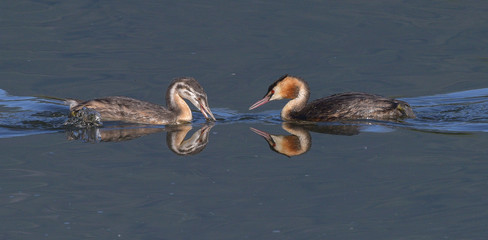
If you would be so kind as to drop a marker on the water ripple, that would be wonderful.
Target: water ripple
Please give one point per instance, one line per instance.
(458, 112)
(465, 111)
(20, 116)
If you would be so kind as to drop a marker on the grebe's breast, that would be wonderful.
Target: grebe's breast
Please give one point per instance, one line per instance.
(128, 110)
(354, 105)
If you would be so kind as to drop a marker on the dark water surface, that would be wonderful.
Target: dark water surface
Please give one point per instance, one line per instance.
(249, 175)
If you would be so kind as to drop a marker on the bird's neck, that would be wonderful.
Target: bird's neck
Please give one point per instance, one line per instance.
(177, 105)
(298, 143)
(297, 104)
(174, 138)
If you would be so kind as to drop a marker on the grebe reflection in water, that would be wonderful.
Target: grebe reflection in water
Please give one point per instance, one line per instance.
(131, 110)
(342, 106)
(289, 145)
(175, 136)
(175, 139)
(300, 141)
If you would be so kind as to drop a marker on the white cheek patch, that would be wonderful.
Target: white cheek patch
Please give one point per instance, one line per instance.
(277, 94)
(275, 97)
(279, 146)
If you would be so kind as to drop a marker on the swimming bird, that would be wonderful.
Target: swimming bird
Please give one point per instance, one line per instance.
(342, 106)
(136, 111)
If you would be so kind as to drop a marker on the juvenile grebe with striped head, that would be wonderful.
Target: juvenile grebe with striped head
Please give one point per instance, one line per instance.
(342, 106)
(127, 109)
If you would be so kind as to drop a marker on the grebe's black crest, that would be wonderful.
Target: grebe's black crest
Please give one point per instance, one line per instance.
(276, 82)
(340, 106)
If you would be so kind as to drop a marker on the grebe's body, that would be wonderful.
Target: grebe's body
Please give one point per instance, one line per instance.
(342, 106)
(136, 111)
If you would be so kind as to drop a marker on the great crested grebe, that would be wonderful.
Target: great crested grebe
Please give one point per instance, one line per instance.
(289, 145)
(175, 136)
(136, 111)
(342, 106)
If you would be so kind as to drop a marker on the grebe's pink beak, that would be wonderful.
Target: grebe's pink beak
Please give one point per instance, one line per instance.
(206, 110)
(266, 135)
(260, 102)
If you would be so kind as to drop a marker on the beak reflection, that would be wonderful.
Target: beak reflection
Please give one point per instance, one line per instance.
(299, 141)
(175, 136)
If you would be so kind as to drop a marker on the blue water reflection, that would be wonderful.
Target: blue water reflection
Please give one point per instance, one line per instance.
(465, 111)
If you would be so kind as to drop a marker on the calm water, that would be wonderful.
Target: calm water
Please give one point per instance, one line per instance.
(424, 178)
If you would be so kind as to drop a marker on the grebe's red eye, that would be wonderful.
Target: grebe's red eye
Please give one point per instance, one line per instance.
(269, 93)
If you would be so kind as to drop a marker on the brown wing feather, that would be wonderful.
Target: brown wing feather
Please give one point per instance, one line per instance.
(354, 105)
(128, 110)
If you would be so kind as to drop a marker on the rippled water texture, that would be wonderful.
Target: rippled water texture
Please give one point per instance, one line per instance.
(465, 111)
(458, 112)
(249, 175)
(21, 116)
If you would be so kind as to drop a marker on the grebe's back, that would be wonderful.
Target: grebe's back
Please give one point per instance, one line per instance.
(354, 105)
(343, 106)
(127, 109)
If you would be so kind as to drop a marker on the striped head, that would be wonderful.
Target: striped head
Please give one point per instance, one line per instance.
(188, 88)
